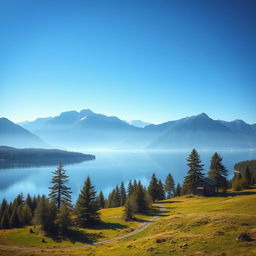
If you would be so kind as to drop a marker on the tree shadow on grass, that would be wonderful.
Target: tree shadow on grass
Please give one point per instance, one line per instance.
(238, 193)
(170, 202)
(108, 225)
(75, 235)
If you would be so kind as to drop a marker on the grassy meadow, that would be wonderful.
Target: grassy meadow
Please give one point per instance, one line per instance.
(191, 225)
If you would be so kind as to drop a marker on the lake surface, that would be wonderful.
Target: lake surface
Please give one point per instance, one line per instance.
(109, 169)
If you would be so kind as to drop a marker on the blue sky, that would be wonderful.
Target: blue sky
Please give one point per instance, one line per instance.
(150, 60)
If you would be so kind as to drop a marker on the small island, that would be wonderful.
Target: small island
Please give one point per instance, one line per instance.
(13, 157)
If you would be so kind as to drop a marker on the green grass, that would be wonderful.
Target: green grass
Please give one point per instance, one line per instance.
(206, 226)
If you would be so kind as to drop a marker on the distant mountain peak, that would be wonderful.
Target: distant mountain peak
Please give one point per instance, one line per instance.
(139, 123)
(203, 115)
(86, 112)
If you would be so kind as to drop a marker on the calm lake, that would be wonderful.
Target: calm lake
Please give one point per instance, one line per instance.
(109, 169)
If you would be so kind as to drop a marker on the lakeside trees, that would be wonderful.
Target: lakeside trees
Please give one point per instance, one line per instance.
(59, 192)
(56, 214)
(86, 209)
(218, 172)
(194, 174)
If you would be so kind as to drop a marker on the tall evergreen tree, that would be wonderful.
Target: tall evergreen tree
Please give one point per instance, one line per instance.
(86, 209)
(178, 190)
(169, 186)
(129, 188)
(63, 219)
(153, 188)
(26, 214)
(161, 194)
(4, 222)
(45, 215)
(59, 192)
(194, 174)
(101, 200)
(122, 194)
(218, 172)
(128, 212)
(4, 205)
(117, 196)
(29, 202)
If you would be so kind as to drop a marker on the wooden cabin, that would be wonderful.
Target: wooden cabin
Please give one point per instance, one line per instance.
(205, 187)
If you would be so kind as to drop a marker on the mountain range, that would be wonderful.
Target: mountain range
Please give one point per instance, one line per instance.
(89, 130)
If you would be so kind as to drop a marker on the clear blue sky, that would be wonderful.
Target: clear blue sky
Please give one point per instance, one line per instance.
(151, 60)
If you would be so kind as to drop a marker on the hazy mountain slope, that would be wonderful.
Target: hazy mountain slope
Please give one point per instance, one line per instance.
(199, 132)
(34, 125)
(14, 135)
(86, 129)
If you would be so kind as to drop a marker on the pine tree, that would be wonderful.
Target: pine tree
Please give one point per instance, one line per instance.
(86, 209)
(128, 213)
(4, 222)
(218, 172)
(169, 186)
(153, 188)
(27, 214)
(129, 188)
(63, 219)
(140, 199)
(4, 205)
(194, 174)
(14, 219)
(117, 197)
(59, 192)
(123, 194)
(45, 215)
(178, 190)
(101, 200)
(29, 202)
(161, 193)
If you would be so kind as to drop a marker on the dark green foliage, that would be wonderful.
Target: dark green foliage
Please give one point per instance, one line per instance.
(4, 222)
(122, 194)
(138, 199)
(194, 174)
(129, 188)
(178, 190)
(161, 193)
(218, 172)
(59, 192)
(63, 219)
(239, 182)
(169, 186)
(128, 211)
(101, 200)
(114, 198)
(4, 205)
(86, 209)
(14, 219)
(248, 176)
(153, 188)
(45, 215)
(29, 201)
(26, 214)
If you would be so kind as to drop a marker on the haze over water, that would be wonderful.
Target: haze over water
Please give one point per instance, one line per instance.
(109, 169)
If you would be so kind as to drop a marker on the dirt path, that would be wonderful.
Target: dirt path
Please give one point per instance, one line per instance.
(142, 227)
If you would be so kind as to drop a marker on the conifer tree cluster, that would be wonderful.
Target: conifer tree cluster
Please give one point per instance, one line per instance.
(19, 212)
(217, 173)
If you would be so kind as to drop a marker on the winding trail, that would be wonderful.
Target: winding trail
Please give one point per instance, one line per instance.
(142, 227)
